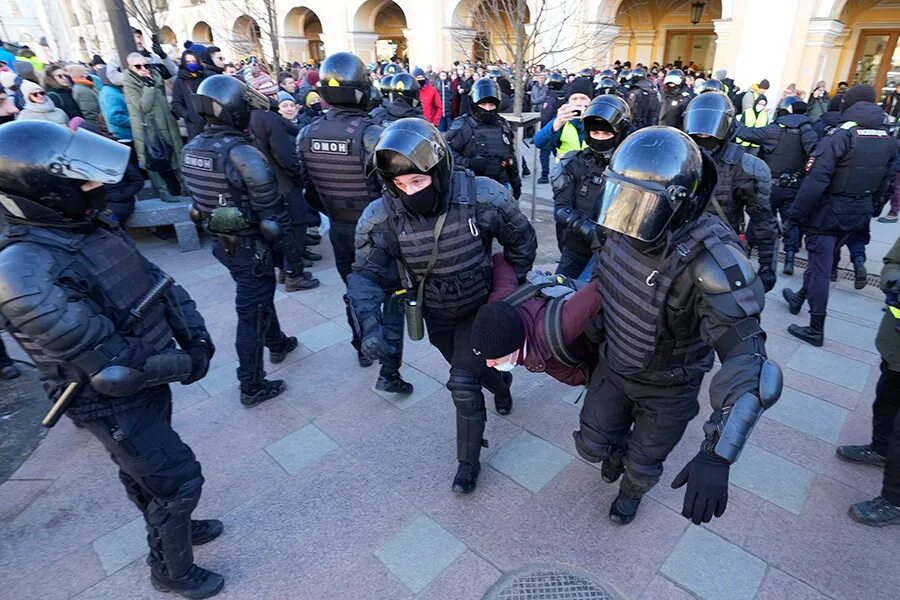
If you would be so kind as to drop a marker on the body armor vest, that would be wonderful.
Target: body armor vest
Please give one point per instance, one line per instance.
(203, 164)
(332, 151)
(642, 334)
(587, 177)
(460, 280)
(724, 192)
(861, 170)
(117, 276)
(788, 157)
(494, 141)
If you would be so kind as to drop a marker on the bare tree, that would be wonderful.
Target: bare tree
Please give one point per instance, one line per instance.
(150, 14)
(264, 23)
(90, 26)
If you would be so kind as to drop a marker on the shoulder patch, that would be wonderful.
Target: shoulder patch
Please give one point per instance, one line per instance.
(197, 161)
(873, 133)
(336, 147)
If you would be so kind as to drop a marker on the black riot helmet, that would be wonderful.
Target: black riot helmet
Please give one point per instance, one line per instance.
(414, 145)
(494, 72)
(344, 80)
(710, 85)
(375, 98)
(392, 69)
(637, 74)
(710, 115)
(658, 179)
(555, 81)
(607, 85)
(406, 85)
(674, 78)
(485, 90)
(625, 76)
(387, 86)
(586, 72)
(44, 164)
(606, 113)
(224, 100)
(608, 73)
(792, 105)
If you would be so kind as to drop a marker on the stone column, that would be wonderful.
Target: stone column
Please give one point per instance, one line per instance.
(723, 58)
(294, 48)
(821, 54)
(363, 44)
(644, 47)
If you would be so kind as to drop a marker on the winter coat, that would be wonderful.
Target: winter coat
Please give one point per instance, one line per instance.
(186, 84)
(115, 112)
(888, 339)
(891, 104)
(147, 106)
(88, 100)
(45, 112)
(120, 196)
(817, 107)
(447, 94)
(64, 100)
(539, 94)
(431, 103)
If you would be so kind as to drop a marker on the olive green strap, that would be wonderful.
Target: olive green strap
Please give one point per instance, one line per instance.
(438, 226)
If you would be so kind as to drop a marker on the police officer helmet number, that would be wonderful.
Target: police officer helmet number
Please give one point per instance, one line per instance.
(340, 147)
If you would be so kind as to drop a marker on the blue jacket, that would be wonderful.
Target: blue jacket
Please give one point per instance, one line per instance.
(547, 139)
(9, 58)
(115, 112)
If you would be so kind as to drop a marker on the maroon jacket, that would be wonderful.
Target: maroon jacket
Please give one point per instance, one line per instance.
(578, 309)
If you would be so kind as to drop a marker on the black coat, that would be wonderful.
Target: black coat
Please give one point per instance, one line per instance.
(120, 196)
(63, 98)
(186, 84)
(274, 136)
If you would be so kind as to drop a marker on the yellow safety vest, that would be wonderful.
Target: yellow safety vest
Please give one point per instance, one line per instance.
(751, 119)
(568, 141)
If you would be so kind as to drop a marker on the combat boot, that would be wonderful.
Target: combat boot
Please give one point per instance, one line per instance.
(788, 262)
(390, 381)
(625, 506)
(813, 334)
(288, 345)
(612, 467)
(313, 256)
(196, 583)
(251, 395)
(863, 455)
(877, 512)
(304, 281)
(794, 299)
(859, 273)
(466, 477)
(204, 531)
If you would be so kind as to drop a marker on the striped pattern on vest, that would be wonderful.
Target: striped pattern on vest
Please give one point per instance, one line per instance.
(337, 169)
(203, 163)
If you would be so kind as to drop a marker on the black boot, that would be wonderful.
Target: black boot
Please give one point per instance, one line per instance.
(503, 398)
(390, 381)
(788, 262)
(196, 583)
(525, 170)
(863, 455)
(252, 395)
(287, 346)
(624, 508)
(794, 299)
(543, 179)
(466, 477)
(612, 467)
(859, 273)
(877, 512)
(815, 333)
(313, 256)
(204, 531)
(364, 361)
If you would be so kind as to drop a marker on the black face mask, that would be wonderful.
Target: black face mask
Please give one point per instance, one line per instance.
(96, 198)
(710, 144)
(602, 148)
(422, 202)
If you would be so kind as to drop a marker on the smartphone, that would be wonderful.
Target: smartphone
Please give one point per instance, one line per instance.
(155, 39)
(576, 114)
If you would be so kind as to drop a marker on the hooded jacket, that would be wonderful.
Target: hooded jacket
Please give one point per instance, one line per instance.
(431, 103)
(147, 107)
(186, 84)
(87, 98)
(46, 111)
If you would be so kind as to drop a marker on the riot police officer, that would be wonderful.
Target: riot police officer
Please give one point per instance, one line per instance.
(643, 100)
(440, 224)
(785, 144)
(675, 287)
(69, 281)
(483, 141)
(236, 195)
(744, 181)
(675, 99)
(608, 85)
(850, 169)
(578, 179)
(556, 85)
(379, 113)
(404, 99)
(334, 152)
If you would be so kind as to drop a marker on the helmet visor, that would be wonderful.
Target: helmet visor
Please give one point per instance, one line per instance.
(91, 157)
(640, 210)
(715, 123)
(400, 152)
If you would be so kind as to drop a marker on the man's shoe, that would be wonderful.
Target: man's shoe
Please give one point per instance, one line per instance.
(864, 455)
(310, 255)
(304, 281)
(196, 583)
(794, 299)
(788, 263)
(266, 390)
(612, 468)
(466, 477)
(279, 275)
(204, 531)
(364, 361)
(503, 402)
(10, 372)
(623, 509)
(543, 179)
(888, 218)
(859, 273)
(290, 344)
(393, 383)
(813, 334)
(313, 240)
(877, 512)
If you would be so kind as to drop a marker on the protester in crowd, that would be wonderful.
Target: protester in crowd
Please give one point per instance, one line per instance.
(27, 54)
(891, 103)
(213, 63)
(112, 104)
(59, 90)
(817, 102)
(85, 93)
(8, 108)
(287, 108)
(428, 97)
(10, 81)
(39, 106)
(158, 60)
(190, 74)
(446, 93)
(565, 132)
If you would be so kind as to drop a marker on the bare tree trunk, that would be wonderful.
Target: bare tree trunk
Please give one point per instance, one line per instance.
(519, 58)
(272, 18)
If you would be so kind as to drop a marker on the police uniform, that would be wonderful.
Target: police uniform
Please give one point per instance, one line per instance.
(851, 168)
(476, 211)
(70, 287)
(672, 107)
(643, 100)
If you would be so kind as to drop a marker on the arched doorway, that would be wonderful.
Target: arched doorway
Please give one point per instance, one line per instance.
(202, 33)
(303, 36)
(485, 30)
(873, 44)
(167, 36)
(383, 24)
(246, 38)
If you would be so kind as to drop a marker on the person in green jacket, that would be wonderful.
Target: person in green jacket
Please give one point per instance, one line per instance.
(86, 94)
(151, 115)
(884, 449)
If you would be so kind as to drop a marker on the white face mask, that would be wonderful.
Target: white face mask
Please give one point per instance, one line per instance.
(509, 366)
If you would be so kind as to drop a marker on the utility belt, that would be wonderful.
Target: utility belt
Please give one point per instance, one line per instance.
(789, 180)
(263, 253)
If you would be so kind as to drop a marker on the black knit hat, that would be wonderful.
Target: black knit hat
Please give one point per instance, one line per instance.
(497, 331)
(580, 86)
(858, 93)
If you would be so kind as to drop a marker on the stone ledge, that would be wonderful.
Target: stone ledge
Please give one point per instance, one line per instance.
(154, 213)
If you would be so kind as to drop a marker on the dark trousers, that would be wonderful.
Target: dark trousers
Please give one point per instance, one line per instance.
(160, 473)
(886, 430)
(343, 241)
(545, 162)
(572, 262)
(254, 300)
(5, 360)
(817, 278)
(637, 421)
(856, 244)
(781, 200)
(444, 123)
(468, 374)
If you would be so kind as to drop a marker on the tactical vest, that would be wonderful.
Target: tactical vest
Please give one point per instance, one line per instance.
(460, 280)
(117, 277)
(333, 153)
(588, 184)
(862, 169)
(641, 334)
(494, 141)
(203, 163)
(727, 168)
(789, 156)
(569, 141)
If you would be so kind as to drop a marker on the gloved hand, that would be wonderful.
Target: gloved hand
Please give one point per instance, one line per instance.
(374, 345)
(157, 49)
(517, 191)
(706, 476)
(767, 276)
(148, 81)
(200, 351)
(587, 230)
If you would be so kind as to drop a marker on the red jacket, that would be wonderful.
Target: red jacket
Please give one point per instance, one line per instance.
(578, 309)
(431, 103)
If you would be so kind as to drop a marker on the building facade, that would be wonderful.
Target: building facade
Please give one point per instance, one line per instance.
(785, 41)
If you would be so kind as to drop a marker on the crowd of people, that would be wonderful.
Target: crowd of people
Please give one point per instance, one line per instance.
(665, 180)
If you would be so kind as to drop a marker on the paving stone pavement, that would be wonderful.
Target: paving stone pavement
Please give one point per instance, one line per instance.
(335, 490)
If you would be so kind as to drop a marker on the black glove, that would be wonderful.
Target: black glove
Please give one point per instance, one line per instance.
(200, 351)
(517, 191)
(374, 345)
(767, 276)
(706, 476)
(148, 81)
(157, 49)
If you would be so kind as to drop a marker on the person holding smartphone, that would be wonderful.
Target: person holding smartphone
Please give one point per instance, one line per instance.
(565, 132)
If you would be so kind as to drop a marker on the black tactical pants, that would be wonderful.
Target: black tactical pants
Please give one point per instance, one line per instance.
(572, 262)
(160, 473)
(343, 241)
(468, 374)
(636, 421)
(257, 325)
(886, 430)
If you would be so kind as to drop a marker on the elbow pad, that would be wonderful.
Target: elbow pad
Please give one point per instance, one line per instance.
(119, 381)
(739, 419)
(270, 230)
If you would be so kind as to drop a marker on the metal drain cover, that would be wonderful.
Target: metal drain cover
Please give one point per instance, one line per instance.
(548, 582)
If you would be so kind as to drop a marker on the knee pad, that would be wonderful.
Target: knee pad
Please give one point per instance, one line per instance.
(590, 445)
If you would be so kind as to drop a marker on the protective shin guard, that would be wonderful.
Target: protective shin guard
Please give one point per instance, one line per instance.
(470, 436)
(169, 524)
(135, 493)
